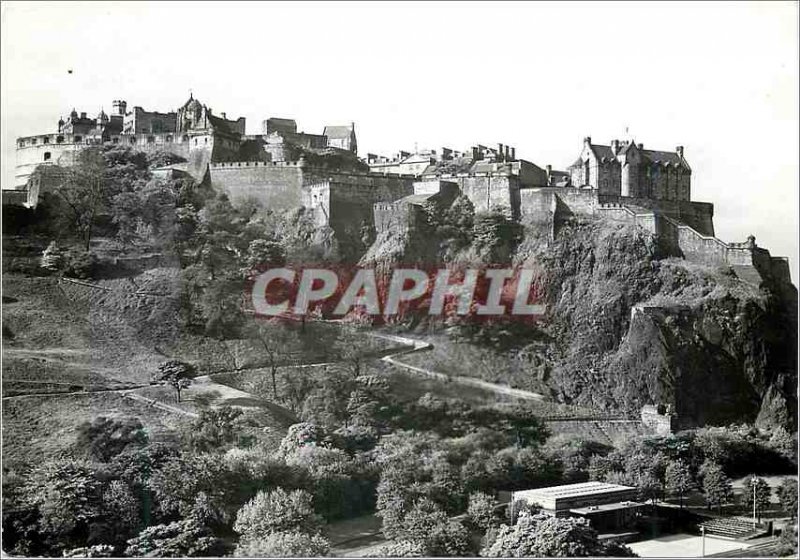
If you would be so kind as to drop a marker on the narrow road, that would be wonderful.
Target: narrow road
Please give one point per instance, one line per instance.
(421, 345)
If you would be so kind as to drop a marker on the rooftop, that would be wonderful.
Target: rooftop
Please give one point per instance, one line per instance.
(573, 490)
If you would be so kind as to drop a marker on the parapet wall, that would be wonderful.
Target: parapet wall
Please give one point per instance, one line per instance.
(275, 185)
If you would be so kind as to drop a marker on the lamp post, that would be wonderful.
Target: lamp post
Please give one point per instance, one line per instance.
(702, 541)
(755, 482)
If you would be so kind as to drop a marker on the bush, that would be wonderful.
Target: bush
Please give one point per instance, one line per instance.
(80, 264)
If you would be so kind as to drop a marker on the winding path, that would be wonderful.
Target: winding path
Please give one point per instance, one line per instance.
(421, 345)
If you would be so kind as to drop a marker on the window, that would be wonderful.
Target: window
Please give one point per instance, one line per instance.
(59, 139)
(195, 141)
(151, 140)
(185, 138)
(47, 156)
(587, 172)
(169, 139)
(45, 140)
(33, 141)
(115, 140)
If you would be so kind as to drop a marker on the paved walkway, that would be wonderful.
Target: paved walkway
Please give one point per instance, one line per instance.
(684, 546)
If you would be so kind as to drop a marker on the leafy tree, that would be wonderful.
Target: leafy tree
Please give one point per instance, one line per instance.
(104, 438)
(284, 544)
(67, 494)
(716, 485)
(94, 551)
(544, 536)
(762, 495)
(482, 511)
(215, 428)
(84, 193)
(187, 537)
(301, 435)
(119, 519)
(277, 511)
(787, 494)
(265, 253)
(678, 479)
(178, 481)
(427, 524)
(402, 549)
(527, 427)
(176, 373)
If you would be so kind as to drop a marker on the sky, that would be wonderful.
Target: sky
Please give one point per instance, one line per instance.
(719, 78)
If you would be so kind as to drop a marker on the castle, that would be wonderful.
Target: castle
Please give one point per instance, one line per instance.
(281, 168)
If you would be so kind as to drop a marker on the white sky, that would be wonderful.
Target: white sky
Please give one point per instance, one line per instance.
(719, 78)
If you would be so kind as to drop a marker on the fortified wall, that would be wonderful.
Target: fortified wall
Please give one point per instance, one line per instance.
(342, 200)
(685, 228)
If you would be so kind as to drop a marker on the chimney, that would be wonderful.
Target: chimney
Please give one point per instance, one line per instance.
(587, 140)
(499, 151)
(513, 154)
(83, 114)
(679, 150)
(223, 115)
(549, 169)
(615, 146)
(475, 152)
(640, 146)
(120, 107)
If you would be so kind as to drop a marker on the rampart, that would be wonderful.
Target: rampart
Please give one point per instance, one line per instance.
(489, 191)
(672, 220)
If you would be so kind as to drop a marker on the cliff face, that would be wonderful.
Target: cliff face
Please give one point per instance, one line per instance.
(628, 326)
(633, 328)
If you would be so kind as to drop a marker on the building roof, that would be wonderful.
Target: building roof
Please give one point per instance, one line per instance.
(579, 489)
(614, 506)
(338, 131)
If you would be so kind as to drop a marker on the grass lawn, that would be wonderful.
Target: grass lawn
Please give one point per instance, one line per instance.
(39, 428)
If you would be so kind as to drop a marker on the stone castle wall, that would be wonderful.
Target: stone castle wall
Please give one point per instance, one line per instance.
(275, 185)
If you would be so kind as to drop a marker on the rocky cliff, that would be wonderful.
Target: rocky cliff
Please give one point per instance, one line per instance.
(628, 326)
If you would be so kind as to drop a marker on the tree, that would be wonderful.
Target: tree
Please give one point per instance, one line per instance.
(787, 494)
(352, 348)
(482, 511)
(68, 496)
(84, 193)
(527, 427)
(716, 485)
(541, 535)
(284, 544)
(216, 427)
(762, 495)
(187, 537)
(176, 373)
(275, 512)
(104, 438)
(120, 515)
(678, 479)
(278, 344)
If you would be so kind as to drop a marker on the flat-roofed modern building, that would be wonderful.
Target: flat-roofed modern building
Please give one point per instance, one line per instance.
(609, 507)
